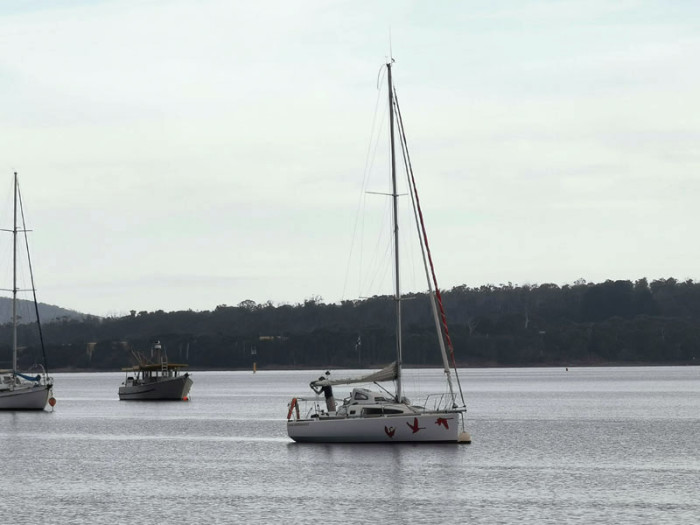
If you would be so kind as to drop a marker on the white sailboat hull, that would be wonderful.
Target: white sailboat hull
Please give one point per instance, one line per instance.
(30, 397)
(435, 427)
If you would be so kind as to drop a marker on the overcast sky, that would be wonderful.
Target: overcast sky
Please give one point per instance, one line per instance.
(186, 154)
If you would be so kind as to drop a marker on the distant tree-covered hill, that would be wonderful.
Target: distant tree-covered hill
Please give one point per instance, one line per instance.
(25, 309)
(506, 325)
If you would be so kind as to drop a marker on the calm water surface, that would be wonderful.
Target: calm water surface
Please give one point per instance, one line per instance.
(591, 445)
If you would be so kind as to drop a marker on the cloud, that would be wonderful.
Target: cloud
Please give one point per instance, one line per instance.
(163, 143)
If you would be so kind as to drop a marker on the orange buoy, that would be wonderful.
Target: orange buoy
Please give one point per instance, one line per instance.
(185, 398)
(52, 401)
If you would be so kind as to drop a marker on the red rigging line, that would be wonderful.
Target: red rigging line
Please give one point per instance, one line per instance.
(438, 295)
(443, 315)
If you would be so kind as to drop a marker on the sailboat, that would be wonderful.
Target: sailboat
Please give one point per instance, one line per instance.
(382, 416)
(23, 391)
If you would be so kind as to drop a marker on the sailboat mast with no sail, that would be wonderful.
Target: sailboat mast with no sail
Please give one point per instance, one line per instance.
(23, 391)
(368, 416)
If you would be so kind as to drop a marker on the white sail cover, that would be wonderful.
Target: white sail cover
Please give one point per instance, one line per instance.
(388, 373)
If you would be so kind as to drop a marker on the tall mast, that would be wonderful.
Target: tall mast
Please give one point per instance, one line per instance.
(395, 202)
(14, 281)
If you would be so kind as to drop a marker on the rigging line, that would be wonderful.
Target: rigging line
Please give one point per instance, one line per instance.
(438, 295)
(382, 68)
(371, 153)
(377, 269)
(376, 142)
(31, 278)
(406, 161)
(433, 306)
(443, 315)
(410, 247)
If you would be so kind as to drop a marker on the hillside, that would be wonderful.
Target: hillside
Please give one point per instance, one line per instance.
(25, 309)
(584, 323)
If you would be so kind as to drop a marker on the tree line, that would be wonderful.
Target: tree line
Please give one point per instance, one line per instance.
(506, 325)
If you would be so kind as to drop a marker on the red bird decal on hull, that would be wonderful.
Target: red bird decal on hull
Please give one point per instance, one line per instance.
(415, 426)
(390, 431)
(442, 421)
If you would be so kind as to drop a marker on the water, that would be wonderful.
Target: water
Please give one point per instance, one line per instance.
(594, 445)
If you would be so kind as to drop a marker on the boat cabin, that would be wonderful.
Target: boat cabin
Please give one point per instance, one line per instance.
(364, 396)
(8, 381)
(367, 403)
(139, 375)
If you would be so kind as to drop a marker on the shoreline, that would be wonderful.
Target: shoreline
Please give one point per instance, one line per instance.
(611, 364)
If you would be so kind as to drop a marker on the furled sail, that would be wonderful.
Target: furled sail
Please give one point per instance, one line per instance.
(36, 378)
(388, 373)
